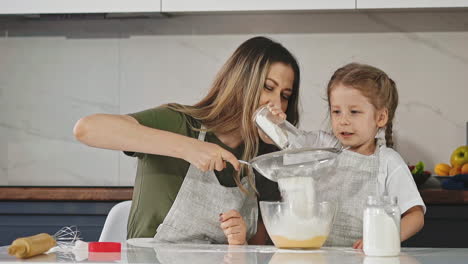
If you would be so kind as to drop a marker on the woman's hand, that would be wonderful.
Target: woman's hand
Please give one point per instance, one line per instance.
(99, 131)
(358, 244)
(208, 156)
(234, 227)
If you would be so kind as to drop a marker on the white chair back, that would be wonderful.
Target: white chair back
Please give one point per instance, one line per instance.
(115, 227)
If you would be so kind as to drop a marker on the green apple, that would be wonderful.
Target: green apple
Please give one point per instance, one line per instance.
(459, 156)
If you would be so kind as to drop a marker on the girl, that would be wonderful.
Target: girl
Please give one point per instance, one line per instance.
(362, 102)
(177, 195)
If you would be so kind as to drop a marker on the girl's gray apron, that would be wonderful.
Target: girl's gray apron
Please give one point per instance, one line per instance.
(353, 179)
(194, 215)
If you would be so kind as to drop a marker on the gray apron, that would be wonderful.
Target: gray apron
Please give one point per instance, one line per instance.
(194, 215)
(353, 179)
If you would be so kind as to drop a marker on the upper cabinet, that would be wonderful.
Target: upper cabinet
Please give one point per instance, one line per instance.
(153, 6)
(78, 6)
(253, 5)
(364, 4)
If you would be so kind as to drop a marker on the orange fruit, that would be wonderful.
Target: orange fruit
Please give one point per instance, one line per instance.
(455, 170)
(442, 169)
(464, 169)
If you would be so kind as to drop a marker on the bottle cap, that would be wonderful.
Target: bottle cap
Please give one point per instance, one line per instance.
(382, 200)
(104, 247)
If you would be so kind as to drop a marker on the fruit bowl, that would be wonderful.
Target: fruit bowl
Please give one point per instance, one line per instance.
(455, 182)
(421, 177)
(306, 228)
(441, 178)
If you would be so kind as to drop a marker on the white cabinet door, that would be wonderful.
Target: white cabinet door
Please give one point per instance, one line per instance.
(363, 4)
(77, 6)
(253, 5)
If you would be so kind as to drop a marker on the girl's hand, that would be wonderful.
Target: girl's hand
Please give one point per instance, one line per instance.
(358, 244)
(276, 111)
(234, 227)
(208, 156)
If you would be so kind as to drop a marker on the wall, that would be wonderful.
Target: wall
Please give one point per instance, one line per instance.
(54, 72)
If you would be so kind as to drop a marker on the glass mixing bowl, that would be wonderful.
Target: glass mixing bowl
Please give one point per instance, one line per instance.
(308, 229)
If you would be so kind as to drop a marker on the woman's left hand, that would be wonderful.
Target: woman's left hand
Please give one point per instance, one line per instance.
(358, 244)
(234, 227)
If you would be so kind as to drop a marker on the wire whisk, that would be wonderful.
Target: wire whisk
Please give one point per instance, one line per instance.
(67, 236)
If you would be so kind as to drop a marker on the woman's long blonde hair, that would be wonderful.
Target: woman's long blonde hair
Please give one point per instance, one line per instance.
(234, 95)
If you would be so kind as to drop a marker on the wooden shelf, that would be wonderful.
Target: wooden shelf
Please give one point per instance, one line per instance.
(430, 196)
(66, 193)
(442, 196)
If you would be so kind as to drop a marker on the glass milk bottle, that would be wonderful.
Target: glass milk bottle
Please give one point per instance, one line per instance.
(281, 132)
(381, 227)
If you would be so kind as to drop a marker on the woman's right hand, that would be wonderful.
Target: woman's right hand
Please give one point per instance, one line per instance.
(98, 130)
(209, 156)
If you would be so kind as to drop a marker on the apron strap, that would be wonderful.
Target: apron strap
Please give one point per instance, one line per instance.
(202, 134)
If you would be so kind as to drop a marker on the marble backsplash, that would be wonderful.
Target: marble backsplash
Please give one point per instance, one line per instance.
(54, 72)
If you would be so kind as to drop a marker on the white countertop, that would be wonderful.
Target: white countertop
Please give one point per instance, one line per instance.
(216, 254)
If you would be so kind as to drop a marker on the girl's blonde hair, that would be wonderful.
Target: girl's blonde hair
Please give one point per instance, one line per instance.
(235, 93)
(374, 84)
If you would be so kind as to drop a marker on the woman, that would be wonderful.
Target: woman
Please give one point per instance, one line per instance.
(184, 189)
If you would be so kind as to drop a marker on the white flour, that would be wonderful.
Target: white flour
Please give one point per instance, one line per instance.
(299, 192)
(301, 221)
(273, 131)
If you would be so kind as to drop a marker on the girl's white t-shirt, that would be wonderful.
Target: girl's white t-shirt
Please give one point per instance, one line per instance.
(394, 174)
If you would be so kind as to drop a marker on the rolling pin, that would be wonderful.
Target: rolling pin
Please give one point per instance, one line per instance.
(26, 247)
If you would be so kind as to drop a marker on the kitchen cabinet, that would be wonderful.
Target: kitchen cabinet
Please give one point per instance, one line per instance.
(26, 218)
(377, 4)
(249, 5)
(444, 227)
(82, 6)
(148, 6)
(26, 211)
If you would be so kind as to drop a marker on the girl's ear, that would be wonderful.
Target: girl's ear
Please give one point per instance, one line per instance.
(382, 117)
